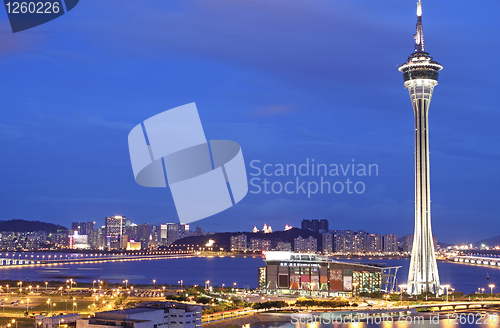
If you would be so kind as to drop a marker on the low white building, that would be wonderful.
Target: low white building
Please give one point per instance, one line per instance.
(147, 315)
(68, 320)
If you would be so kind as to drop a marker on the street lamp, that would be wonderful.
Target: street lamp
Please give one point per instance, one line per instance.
(154, 282)
(46, 284)
(401, 287)
(180, 282)
(447, 287)
(355, 284)
(491, 287)
(126, 283)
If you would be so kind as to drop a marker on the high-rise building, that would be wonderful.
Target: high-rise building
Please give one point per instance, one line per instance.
(420, 74)
(82, 228)
(283, 246)
(407, 243)
(328, 244)
(315, 225)
(239, 243)
(359, 242)
(175, 231)
(259, 245)
(115, 228)
(75, 226)
(390, 243)
(305, 245)
(373, 242)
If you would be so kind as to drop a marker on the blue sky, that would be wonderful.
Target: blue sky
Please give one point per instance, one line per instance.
(288, 80)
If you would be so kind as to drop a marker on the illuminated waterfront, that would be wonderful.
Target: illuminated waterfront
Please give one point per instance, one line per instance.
(224, 270)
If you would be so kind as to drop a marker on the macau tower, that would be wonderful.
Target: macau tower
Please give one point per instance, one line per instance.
(420, 75)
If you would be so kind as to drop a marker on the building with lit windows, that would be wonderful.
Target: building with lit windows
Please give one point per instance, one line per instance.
(301, 274)
(239, 243)
(305, 245)
(115, 228)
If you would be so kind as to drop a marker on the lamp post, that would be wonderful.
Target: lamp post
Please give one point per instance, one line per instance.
(401, 287)
(447, 287)
(491, 287)
(46, 284)
(126, 283)
(355, 284)
(154, 282)
(180, 282)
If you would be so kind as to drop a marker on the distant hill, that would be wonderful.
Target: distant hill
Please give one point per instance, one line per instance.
(224, 239)
(19, 225)
(491, 242)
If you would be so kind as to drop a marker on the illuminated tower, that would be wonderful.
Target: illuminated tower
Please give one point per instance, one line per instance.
(420, 74)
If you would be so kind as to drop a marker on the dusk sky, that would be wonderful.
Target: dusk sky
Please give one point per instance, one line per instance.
(288, 80)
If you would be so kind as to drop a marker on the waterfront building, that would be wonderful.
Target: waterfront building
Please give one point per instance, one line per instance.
(305, 245)
(175, 231)
(359, 242)
(283, 246)
(315, 225)
(259, 245)
(77, 241)
(114, 229)
(390, 243)
(238, 243)
(303, 274)
(373, 243)
(407, 243)
(420, 74)
(328, 244)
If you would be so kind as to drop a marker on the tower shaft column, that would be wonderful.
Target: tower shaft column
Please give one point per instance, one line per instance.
(423, 274)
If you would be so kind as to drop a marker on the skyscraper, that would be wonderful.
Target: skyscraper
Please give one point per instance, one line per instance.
(420, 75)
(115, 229)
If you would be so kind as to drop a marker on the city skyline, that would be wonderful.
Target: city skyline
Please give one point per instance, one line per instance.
(296, 86)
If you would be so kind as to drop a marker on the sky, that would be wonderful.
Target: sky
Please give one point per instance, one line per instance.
(290, 81)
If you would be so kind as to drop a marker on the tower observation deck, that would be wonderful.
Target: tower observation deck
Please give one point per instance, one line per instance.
(420, 74)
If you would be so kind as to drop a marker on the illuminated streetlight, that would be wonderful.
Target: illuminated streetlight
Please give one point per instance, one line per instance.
(355, 284)
(447, 287)
(491, 287)
(401, 287)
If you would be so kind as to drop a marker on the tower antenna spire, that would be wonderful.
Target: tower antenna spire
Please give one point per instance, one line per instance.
(419, 36)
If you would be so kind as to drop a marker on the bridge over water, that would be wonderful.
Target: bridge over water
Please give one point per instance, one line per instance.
(56, 259)
(478, 260)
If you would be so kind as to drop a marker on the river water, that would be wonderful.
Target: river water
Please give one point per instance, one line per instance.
(228, 270)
